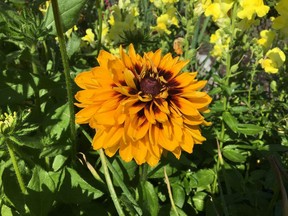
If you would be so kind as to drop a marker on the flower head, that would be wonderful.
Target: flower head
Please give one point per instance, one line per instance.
(221, 42)
(7, 123)
(142, 105)
(251, 7)
(273, 60)
(89, 37)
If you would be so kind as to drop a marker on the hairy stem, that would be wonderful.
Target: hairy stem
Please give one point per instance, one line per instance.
(68, 82)
(16, 168)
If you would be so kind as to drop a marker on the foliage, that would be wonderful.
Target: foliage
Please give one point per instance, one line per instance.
(241, 168)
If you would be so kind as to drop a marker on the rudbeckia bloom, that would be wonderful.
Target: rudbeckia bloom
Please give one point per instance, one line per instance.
(142, 106)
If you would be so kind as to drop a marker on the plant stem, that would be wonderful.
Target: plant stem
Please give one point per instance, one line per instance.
(170, 192)
(99, 5)
(110, 184)
(16, 168)
(66, 73)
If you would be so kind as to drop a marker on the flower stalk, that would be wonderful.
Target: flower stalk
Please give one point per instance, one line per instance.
(16, 168)
(110, 184)
(66, 73)
(170, 192)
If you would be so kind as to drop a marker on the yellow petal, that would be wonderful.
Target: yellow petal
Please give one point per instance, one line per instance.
(113, 137)
(125, 152)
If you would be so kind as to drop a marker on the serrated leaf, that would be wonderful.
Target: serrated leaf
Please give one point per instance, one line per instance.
(58, 122)
(77, 180)
(249, 129)
(69, 13)
(230, 121)
(41, 189)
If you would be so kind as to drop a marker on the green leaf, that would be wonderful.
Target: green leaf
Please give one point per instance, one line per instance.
(249, 129)
(199, 200)
(179, 211)
(234, 154)
(126, 171)
(239, 109)
(230, 121)
(74, 189)
(158, 171)
(41, 189)
(204, 178)
(73, 44)
(178, 195)
(7, 211)
(148, 199)
(59, 162)
(69, 13)
(58, 122)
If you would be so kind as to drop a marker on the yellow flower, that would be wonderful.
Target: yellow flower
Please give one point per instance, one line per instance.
(267, 37)
(165, 21)
(221, 43)
(89, 37)
(142, 106)
(219, 10)
(273, 60)
(161, 3)
(69, 31)
(251, 7)
(43, 7)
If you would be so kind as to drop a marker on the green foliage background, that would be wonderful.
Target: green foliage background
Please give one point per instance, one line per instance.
(240, 170)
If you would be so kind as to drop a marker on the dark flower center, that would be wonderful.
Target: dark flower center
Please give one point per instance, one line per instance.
(150, 85)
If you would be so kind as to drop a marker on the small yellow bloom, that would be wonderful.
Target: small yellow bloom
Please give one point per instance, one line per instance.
(69, 31)
(89, 37)
(165, 21)
(221, 43)
(251, 7)
(44, 7)
(273, 60)
(161, 3)
(219, 10)
(267, 37)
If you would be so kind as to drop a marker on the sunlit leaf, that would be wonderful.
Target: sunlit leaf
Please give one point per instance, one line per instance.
(69, 13)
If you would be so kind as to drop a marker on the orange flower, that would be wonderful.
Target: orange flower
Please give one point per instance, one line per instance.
(142, 106)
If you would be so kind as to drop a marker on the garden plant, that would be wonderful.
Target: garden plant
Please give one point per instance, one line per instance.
(143, 107)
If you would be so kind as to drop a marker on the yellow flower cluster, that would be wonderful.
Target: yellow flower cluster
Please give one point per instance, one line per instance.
(166, 20)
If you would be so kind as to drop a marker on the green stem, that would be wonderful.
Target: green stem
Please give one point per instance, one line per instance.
(117, 178)
(143, 170)
(33, 52)
(16, 168)
(68, 82)
(251, 81)
(110, 184)
(99, 5)
(170, 192)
